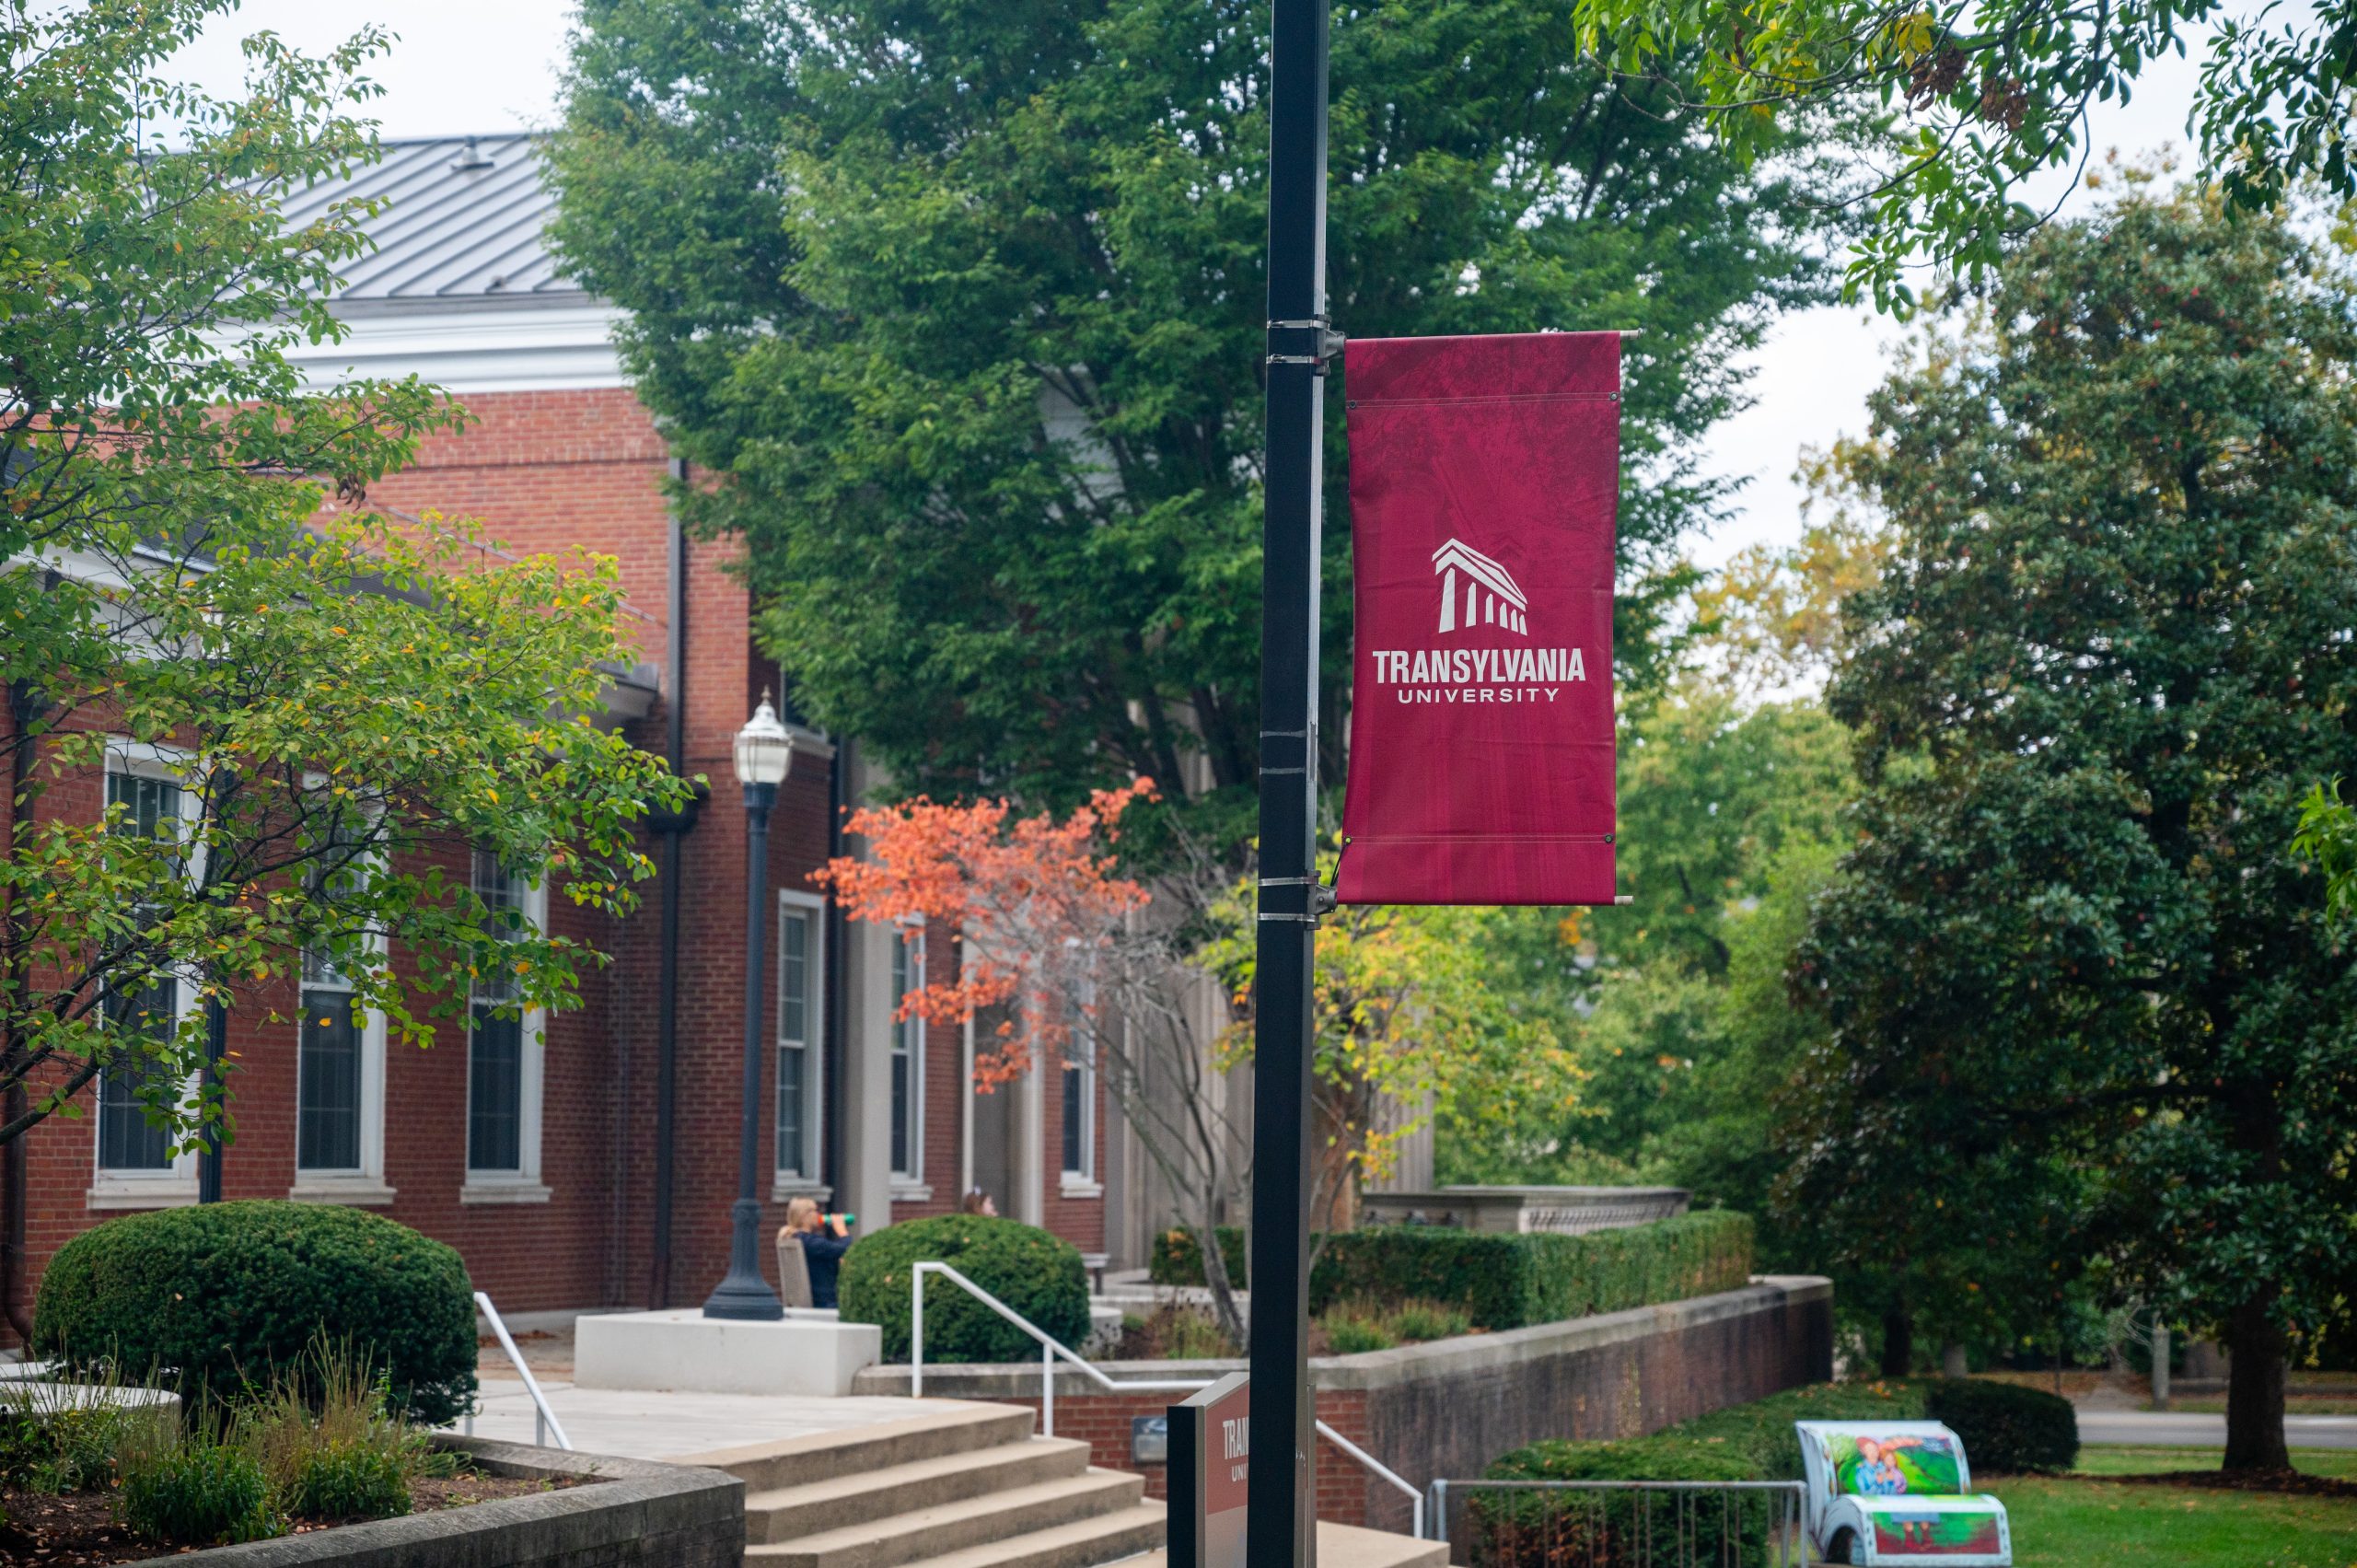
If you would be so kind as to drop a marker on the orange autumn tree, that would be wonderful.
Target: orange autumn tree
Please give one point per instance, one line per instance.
(1034, 902)
(1078, 964)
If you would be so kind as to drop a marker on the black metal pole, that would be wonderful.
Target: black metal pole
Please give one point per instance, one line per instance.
(666, 978)
(745, 1294)
(1278, 1530)
(216, 1046)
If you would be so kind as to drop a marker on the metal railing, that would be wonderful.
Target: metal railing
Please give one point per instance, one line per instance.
(1050, 1349)
(544, 1420)
(1703, 1523)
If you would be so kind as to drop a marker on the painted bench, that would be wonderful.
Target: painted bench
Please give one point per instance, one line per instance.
(1897, 1492)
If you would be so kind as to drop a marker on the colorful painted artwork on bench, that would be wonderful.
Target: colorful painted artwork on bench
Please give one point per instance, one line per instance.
(1897, 1492)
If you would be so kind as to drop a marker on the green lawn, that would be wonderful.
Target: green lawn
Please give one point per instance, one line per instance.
(2080, 1522)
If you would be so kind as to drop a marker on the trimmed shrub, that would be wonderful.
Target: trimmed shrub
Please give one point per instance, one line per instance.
(195, 1493)
(1504, 1281)
(2007, 1428)
(1179, 1260)
(1037, 1274)
(1616, 1529)
(1761, 1432)
(1512, 1281)
(226, 1298)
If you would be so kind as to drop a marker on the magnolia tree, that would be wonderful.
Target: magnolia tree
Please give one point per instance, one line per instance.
(1153, 988)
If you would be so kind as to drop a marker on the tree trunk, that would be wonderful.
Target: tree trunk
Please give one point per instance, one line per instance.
(1898, 1341)
(2255, 1390)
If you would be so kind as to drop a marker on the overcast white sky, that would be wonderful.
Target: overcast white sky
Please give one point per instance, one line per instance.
(479, 66)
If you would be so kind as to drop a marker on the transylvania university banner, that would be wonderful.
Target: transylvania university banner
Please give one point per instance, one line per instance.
(1484, 478)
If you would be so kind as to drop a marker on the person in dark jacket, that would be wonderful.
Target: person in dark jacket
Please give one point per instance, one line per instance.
(825, 1239)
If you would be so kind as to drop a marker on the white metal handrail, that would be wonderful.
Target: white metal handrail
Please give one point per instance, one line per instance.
(544, 1420)
(1051, 1348)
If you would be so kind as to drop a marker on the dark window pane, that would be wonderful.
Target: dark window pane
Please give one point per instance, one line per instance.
(794, 979)
(900, 1113)
(790, 1061)
(495, 1092)
(1075, 1150)
(127, 1140)
(327, 1128)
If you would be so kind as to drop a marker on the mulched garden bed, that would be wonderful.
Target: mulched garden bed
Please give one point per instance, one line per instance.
(78, 1530)
(2296, 1482)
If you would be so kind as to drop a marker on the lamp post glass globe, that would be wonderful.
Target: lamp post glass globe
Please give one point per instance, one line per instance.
(763, 753)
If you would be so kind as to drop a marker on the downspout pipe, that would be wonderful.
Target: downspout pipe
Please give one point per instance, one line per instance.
(835, 1050)
(24, 702)
(673, 828)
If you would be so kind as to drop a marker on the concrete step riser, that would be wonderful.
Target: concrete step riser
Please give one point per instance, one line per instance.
(912, 1537)
(1088, 1544)
(854, 1454)
(856, 1500)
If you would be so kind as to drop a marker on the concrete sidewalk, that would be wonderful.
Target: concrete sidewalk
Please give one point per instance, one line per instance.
(643, 1425)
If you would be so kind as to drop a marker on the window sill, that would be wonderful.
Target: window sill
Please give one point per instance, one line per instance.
(1080, 1187)
(364, 1192)
(906, 1191)
(785, 1189)
(498, 1192)
(165, 1193)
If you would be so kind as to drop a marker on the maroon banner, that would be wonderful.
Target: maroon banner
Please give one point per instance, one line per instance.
(1485, 476)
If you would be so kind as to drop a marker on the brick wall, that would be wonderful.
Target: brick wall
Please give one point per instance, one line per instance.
(553, 472)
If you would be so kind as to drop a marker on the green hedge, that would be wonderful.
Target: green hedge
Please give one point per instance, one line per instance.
(1508, 1280)
(2007, 1429)
(1616, 1529)
(1037, 1274)
(1177, 1258)
(224, 1297)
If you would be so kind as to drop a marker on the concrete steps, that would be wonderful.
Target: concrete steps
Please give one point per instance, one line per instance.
(966, 1487)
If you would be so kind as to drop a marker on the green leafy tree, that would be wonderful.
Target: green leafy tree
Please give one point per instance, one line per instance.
(962, 310)
(326, 715)
(1983, 95)
(2105, 661)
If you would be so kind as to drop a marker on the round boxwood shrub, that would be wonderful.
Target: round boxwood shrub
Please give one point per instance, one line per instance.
(227, 1297)
(2007, 1429)
(1035, 1273)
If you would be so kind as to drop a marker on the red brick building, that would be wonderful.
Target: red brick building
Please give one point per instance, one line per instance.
(541, 1151)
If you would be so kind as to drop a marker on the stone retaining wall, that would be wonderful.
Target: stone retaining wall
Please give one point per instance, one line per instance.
(637, 1515)
(1449, 1407)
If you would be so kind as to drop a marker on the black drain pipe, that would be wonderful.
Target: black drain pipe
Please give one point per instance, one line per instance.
(673, 826)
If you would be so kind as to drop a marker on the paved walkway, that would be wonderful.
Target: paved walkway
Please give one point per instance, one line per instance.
(2179, 1429)
(635, 1425)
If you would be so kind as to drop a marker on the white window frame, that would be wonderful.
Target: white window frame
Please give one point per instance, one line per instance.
(366, 1183)
(785, 1181)
(908, 1183)
(176, 1184)
(522, 1185)
(1081, 1182)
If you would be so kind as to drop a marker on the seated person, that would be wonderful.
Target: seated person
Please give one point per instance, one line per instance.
(824, 1242)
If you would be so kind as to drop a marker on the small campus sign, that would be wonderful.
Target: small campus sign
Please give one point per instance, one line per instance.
(1485, 476)
(1211, 1459)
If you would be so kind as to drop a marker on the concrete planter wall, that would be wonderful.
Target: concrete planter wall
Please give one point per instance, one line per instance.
(1449, 1407)
(637, 1515)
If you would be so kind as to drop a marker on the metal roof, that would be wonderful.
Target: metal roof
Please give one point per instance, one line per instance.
(462, 220)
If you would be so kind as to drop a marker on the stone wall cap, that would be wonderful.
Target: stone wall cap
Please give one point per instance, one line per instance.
(1380, 1368)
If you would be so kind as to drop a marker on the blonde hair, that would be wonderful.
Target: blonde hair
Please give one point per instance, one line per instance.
(801, 1214)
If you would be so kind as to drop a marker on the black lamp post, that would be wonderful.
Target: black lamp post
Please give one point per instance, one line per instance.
(764, 752)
